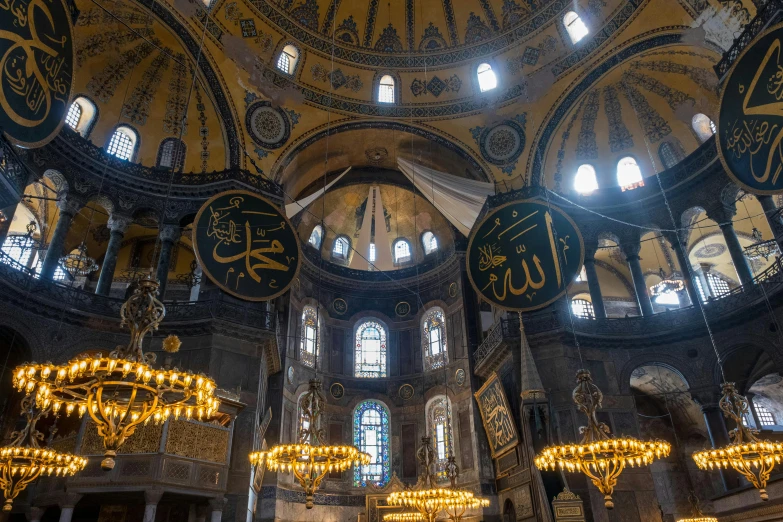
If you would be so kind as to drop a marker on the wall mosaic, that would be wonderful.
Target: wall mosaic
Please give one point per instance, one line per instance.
(103, 84)
(328, 24)
(336, 78)
(97, 44)
(655, 127)
(451, 22)
(346, 32)
(306, 13)
(476, 30)
(174, 121)
(137, 108)
(432, 39)
(501, 144)
(619, 136)
(388, 41)
(435, 85)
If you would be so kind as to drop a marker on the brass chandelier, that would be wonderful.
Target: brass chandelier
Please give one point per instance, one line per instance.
(122, 390)
(407, 516)
(599, 455)
(752, 457)
(432, 500)
(24, 460)
(310, 459)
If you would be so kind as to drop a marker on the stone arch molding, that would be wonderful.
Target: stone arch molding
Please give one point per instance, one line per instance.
(684, 369)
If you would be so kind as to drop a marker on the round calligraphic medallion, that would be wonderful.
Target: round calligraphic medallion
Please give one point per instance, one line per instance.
(406, 392)
(36, 69)
(246, 246)
(750, 122)
(402, 309)
(340, 306)
(337, 390)
(453, 290)
(524, 255)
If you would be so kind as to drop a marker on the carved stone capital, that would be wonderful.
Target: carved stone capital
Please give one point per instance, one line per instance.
(69, 205)
(152, 496)
(119, 223)
(170, 233)
(34, 514)
(631, 248)
(217, 503)
(69, 500)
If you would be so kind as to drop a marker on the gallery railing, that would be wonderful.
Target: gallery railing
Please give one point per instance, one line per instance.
(26, 290)
(765, 285)
(770, 14)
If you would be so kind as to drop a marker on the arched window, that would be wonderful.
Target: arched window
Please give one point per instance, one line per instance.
(371, 435)
(386, 89)
(439, 423)
(718, 286)
(123, 143)
(575, 26)
(286, 62)
(19, 249)
(402, 251)
(703, 126)
(629, 175)
(371, 253)
(341, 248)
(764, 415)
(171, 154)
(316, 236)
(434, 337)
(310, 337)
(585, 180)
(671, 153)
(486, 77)
(429, 242)
(81, 115)
(370, 350)
(582, 308)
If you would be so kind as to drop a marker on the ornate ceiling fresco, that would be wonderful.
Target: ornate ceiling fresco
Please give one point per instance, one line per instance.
(633, 78)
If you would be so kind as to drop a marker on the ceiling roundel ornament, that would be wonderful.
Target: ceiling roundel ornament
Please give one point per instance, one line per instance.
(36, 60)
(406, 392)
(268, 126)
(246, 245)
(402, 309)
(523, 255)
(501, 144)
(750, 121)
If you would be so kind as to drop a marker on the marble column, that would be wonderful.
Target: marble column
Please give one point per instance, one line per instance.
(34, 514)
(775, 220)
(592, 283)
(201, 513)
(67, 504)
(117, 225)
(168, 236)
(68, 208)
(151, 499)
(741, 264)
(685, 268)
(719, 436)
(216, 506)
(631, 250)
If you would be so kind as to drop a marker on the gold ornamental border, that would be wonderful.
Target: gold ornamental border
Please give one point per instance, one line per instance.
(549, 207)
(717, 121)
(218, 283)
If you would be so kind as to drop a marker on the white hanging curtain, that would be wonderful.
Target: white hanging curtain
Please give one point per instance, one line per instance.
(292, 209)
(458, 199)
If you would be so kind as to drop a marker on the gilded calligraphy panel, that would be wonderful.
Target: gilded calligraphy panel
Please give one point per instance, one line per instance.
(496, 416)
(524, 255)
(246, 245)
(36, 69)
(750, 123)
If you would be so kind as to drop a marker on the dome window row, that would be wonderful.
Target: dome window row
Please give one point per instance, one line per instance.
(629, 174)
(401, 248)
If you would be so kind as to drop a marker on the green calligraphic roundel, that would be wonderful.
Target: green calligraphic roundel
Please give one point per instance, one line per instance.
(246, 245)
(750, 123)
(524, 255)
(36, 69)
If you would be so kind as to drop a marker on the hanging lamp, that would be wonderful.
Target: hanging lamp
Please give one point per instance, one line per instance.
(24, 460)
(752, 457)
(310, 459)
(599, 455)
(122, 390)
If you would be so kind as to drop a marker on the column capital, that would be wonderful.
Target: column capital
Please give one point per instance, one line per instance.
(119, 223)
(152, 496)
(34, 514)
(69, 500)
(591, 247)
(69, 205)
(217, 503)
(631, 248)
(169, 232)
(723, 214)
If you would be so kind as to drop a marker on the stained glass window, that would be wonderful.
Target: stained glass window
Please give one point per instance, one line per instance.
(434, 337)
(309, 342)
(371, 350)
(371, 435)
(439, 421)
